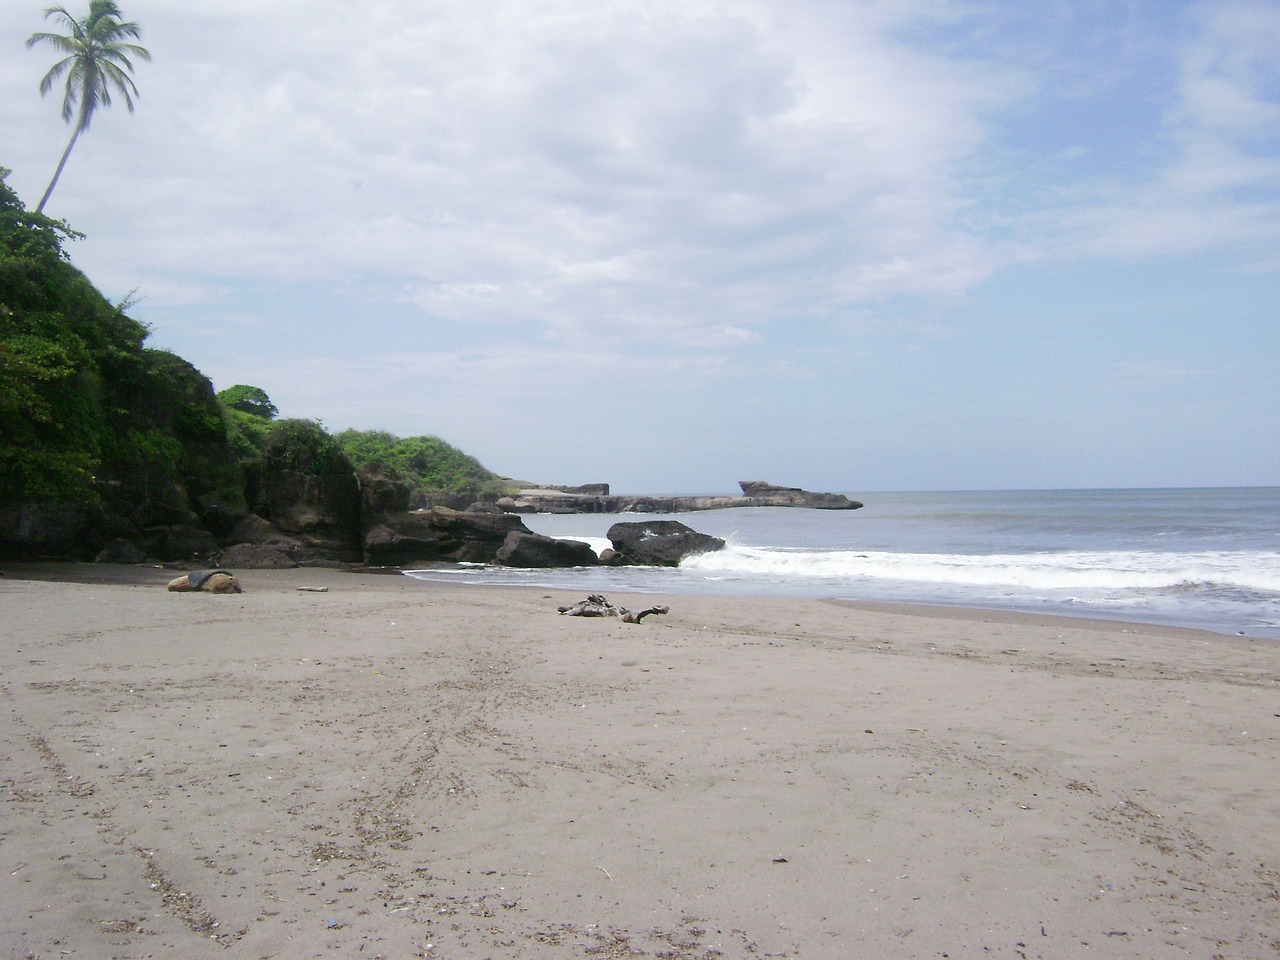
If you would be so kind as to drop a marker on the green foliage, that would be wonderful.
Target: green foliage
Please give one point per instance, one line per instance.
(90, 415)
(247, 412)
(48, 445)
(46, 474)
(305, 447)
(32, 237)
(149, 456)
(247, 399)
(83, 405)
(246, 433)
(425, 464)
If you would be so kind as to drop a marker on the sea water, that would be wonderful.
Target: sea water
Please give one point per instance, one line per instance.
(1207, 558)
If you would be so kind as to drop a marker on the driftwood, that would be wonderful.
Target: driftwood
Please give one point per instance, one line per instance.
(597, 606)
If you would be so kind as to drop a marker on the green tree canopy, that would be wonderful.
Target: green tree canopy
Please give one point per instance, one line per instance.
(249, 399)
(96, 61)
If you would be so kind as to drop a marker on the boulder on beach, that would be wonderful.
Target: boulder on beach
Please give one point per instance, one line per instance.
(657, 543)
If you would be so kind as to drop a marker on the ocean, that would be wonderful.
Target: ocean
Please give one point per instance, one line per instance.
(1204, 558)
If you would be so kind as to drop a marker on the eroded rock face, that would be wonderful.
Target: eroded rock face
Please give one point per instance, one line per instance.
(253, 529)
(401, 540)
(657, 543)
(383, 495)
(41, 529)
(320, 507)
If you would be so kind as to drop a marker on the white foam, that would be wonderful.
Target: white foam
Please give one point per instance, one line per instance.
(1067, 570)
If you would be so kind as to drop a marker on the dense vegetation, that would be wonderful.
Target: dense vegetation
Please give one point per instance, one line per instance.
(427, 465)
(86, 410)
(130, 438)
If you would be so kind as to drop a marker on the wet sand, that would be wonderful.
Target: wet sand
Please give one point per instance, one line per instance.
(393, 769)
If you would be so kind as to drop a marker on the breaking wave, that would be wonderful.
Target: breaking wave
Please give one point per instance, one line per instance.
(1251, 571)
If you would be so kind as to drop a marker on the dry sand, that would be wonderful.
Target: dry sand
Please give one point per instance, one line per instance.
(398, 769)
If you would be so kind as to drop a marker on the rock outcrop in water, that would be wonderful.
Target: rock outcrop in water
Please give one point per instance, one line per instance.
(656, 543)
(596, 498)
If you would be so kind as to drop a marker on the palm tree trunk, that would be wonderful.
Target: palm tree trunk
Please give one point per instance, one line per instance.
(57, 173)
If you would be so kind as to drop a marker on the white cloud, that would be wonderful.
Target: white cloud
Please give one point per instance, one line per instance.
(624, 165)
(465, 215)
(1230, 68)
(1227, 119)
(1213, 185)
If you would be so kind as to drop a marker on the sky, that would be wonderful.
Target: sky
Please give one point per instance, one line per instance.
(847, 245)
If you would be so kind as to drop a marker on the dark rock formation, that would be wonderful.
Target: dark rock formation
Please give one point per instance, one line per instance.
(256, 556)
(253, 529)
(438, 534)
(317, 504)
(383, 495)
(403, 539)
(178, 542)
(473, 537)
(765, 494)
(256, 544)
(120, 551)
(657, 543)
(525, 549)
(39, 530)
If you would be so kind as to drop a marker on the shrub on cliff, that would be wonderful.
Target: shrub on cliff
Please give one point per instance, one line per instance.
(304, 484)
(425, 464)
(299, 461)
(248, 413)
(305, 447)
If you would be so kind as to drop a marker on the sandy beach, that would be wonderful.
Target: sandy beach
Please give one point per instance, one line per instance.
(391, 768)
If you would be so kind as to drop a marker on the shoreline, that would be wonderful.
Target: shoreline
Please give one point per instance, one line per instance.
(152, 574)
(407, 768)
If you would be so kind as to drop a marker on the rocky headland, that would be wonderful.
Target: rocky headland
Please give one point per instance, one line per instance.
(115, 452)
(596, 498)
(342, 520)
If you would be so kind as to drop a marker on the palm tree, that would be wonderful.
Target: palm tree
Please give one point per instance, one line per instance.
(97, 59)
